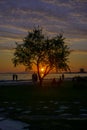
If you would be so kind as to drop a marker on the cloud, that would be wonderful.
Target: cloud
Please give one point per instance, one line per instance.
(55, 16)
(71, 18)
(79, 52)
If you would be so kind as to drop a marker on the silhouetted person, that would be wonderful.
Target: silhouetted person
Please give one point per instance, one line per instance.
(34, 77)
(62, 76)
(16, 77)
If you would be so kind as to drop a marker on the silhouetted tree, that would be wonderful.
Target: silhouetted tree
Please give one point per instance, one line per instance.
(38, 50)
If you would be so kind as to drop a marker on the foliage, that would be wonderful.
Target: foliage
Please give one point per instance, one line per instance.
(42, 52)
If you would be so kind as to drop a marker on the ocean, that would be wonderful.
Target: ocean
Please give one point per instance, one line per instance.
(7, 76)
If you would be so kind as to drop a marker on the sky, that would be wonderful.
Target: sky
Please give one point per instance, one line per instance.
(69, 17)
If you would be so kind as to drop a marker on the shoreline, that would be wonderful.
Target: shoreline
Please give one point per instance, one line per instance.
(26, 82)
(18, 82)
(29, 82)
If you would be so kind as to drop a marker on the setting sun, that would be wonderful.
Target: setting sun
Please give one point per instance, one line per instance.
(42, 69)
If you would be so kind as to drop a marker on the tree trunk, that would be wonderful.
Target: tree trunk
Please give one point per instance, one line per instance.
(41, 81)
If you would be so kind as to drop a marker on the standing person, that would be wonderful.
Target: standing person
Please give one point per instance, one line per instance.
(62, 76)
(34, 77)
(16, 76)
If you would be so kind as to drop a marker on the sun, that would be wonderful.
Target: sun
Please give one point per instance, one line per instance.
(42, 69)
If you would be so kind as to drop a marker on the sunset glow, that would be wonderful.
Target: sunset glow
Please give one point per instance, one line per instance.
(54, 16)
(42, 69)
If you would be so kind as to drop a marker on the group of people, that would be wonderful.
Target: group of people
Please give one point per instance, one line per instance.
(58, 83)
(15, 77)
(35, 79)
(54, 82)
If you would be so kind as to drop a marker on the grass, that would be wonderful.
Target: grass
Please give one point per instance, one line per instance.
(27, 94)
(46, 101)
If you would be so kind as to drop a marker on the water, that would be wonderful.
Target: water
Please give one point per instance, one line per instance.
(20, 76)
(6, 76)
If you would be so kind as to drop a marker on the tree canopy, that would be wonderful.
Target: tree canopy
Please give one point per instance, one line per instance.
(45, 53)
